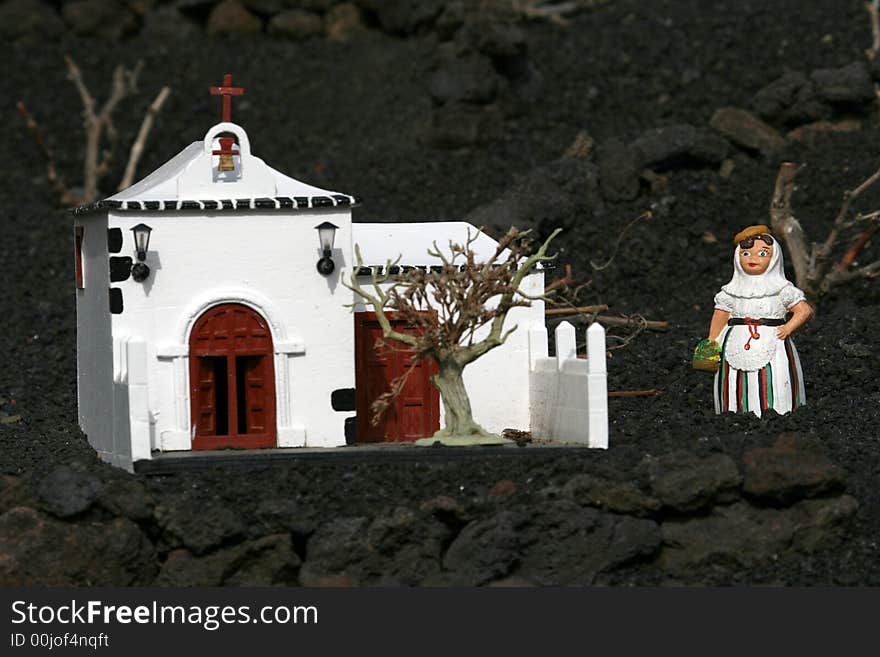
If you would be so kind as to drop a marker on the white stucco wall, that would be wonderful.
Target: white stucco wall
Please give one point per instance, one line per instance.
(498, 382)
(264, 260)
(94, 344)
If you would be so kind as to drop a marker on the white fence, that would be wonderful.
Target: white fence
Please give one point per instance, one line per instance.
(569, 396)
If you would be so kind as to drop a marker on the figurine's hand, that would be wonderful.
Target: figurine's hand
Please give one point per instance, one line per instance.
(783, 331)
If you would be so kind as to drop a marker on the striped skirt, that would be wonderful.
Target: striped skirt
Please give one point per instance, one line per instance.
(778, 385)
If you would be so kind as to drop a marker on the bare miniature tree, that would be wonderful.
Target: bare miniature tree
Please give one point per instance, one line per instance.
(462, 297)
(102, 139)
(815, 271)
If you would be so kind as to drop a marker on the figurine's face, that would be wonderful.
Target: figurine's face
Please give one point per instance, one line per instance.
(756, 259)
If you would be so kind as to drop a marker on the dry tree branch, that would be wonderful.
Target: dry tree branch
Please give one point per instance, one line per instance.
(813, 272)
(644, 215)
(634, 393)
(95, 123)
(840, 276)
(822, 256)
(576, 310)
(378, 298)
(784, 223)
(631, 321)
(383, 402)
(873, 9)
(57, 182)
(497, 336)
(850, 256)
(137, 148)
(100, 130)
(863, 217)
(565, 281)
(553, 12)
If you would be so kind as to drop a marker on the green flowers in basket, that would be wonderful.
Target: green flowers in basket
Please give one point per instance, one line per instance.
(707, 356)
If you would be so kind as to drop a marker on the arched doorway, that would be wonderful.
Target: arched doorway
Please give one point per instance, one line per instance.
(232, 379)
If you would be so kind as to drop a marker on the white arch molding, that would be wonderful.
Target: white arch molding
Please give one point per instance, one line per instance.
(180, 437)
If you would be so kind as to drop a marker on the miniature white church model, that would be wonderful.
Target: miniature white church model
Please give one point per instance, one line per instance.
(210, 314)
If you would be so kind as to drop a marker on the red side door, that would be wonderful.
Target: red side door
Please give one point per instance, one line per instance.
(232, 379)
(416, 411)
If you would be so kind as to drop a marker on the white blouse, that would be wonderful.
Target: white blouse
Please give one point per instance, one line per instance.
(763, 348)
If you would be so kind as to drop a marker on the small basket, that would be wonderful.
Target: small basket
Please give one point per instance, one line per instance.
(707, 356)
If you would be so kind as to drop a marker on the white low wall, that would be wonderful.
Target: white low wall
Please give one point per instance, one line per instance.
(569, 396)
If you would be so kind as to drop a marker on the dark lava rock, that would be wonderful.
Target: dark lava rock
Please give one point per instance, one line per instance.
(36, 550)
(404, 16)
(740, 535)
(558, 543)
(296, 24)
(127, 497)
(343, 22)
(468, 78)
(14, 491)
(745, 129)
(485, 550)
(399, 549)
(686, 482)
(854, 349)
(567, 545)
(266, 561)
(65, 492)
(167, 23)
(618, 173)
(446, 509)
(312, 5)
(790, 100)
(195, 526)
(231, 17)
(28, 19)
(277, 515)
(850, 84)
(462, 124)
(104, 18)
(502, 488)
(678, 145)
(825, 522)
(616, 496)
(492, 38)
(733, 536)
(556, 195)
(406, 548)
(336, 549)
(266, 7)
(784, 474)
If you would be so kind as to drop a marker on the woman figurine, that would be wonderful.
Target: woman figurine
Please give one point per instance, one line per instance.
(759, 366)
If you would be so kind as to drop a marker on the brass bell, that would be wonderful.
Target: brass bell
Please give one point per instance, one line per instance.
(226, 153)
(226, 163)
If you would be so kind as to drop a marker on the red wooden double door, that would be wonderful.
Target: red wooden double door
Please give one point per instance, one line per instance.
(232, 382)
(232, 379)
(416, 411)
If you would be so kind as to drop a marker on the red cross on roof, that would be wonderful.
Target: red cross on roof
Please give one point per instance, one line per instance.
(227, 91)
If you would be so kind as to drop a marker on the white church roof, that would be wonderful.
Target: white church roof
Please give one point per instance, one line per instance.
(185, 182)
(379, 243)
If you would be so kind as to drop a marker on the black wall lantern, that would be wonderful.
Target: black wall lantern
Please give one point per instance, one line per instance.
(139, 270)
(326, 236)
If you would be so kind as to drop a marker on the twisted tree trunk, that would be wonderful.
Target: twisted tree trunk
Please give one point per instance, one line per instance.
(460, 429)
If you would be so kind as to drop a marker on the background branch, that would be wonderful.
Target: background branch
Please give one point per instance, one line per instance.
(137, 148)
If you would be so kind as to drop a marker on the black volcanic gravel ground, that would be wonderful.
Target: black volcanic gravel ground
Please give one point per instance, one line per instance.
(350, 116)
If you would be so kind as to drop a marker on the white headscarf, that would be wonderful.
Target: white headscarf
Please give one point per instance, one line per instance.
(750, 286)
